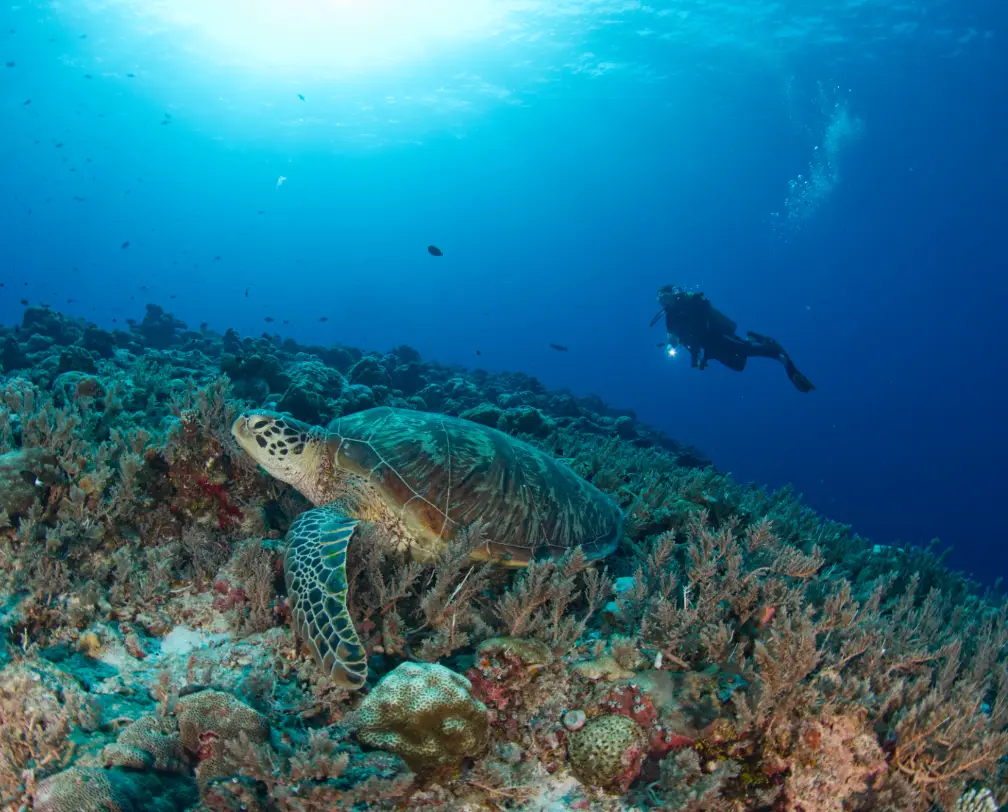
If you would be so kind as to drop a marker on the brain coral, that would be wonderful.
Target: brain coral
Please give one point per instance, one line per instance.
(80, 790)
(150, 742)
(210, 718)
(607, 752)
(424, 713)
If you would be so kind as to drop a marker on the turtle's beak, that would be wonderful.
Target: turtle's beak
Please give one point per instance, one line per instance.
(243, 435)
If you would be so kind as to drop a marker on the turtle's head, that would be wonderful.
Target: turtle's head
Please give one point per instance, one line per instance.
(287, 448)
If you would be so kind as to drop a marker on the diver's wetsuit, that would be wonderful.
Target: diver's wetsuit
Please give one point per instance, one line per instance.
(692, 321)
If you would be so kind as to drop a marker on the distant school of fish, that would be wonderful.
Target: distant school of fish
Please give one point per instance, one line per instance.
(433, 250)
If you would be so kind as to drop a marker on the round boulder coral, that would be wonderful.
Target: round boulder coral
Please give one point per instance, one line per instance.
(607, 752)
(82, 789)
(424, 713)
(209, 719)
(151, 742)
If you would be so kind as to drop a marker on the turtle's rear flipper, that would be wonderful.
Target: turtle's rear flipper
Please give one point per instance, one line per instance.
(315, 571)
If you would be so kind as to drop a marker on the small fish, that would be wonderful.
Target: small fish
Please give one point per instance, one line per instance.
(434, 251)
(78, 199)
(71, 301)
(478, 352)
(113, 321)
(173, 296)
(285, 321)
(87, 75)
(125, 244)
(323, 318)
(216, 258)
(558, 347)
(24, 302)
(131, 76)
(26, 102)
(261, 211)
(246, 292)
(144, 287)
(60, 144)
(280, 181)
(2, 284)
(269, 319)
(11, 65)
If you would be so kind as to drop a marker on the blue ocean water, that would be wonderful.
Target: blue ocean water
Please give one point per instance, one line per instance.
(832, 174)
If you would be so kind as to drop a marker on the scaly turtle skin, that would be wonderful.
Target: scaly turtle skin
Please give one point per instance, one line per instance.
(423, 478)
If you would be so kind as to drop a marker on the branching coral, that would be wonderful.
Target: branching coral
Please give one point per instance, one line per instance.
(541, 600)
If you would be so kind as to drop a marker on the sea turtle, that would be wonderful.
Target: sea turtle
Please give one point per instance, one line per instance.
(422, 477)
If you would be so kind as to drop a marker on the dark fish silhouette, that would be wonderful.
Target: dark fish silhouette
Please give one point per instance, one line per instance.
(11, 65)
(79, 199)
(558, 347)
(246, 292)
(434, 251)
(216, 257)
(125, 244)
(478, 352)
(87, 75)
(269, 319)
(24, 302)
(27, 102)
(323, 318)
(130, 76)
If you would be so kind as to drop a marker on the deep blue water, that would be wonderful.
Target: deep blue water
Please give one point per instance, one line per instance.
(569, 158)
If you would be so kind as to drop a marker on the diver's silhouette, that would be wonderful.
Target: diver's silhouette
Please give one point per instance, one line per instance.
(693, 322)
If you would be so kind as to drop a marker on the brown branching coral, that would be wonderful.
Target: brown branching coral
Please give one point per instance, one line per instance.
(39, 707)
(541, 600)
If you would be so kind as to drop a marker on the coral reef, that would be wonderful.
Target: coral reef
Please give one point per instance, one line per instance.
(736, 652)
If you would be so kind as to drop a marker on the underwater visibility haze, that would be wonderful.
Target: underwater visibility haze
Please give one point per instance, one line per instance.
(467, 208)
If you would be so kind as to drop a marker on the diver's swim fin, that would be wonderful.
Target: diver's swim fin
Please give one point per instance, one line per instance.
(801, 383)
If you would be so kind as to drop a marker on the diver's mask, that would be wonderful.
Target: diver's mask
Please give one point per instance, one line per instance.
(667, 295)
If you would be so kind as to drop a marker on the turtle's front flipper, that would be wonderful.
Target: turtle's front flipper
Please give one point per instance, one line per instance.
(315, 571)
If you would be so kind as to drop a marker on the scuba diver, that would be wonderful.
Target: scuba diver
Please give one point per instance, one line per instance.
(691, 321)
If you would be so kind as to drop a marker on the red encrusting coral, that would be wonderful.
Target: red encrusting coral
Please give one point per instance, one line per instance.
(630, 701)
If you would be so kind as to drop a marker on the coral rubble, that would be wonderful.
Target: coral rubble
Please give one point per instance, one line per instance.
(736, 652)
